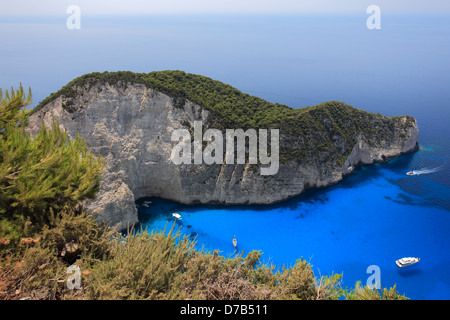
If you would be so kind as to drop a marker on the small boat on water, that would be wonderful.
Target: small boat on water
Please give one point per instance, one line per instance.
(177, 216)
(404, 262)
(234, 242)
(410, 173)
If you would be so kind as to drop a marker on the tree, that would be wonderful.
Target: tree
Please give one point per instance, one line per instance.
(41, 173)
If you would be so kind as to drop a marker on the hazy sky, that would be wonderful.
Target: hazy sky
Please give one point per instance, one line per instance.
(54, 7)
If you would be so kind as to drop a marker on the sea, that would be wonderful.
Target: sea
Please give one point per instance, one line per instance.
(358, 227)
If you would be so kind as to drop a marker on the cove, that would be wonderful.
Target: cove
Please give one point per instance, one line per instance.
(368, 219)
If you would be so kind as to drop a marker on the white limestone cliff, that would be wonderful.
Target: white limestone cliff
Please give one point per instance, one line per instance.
(131, 127)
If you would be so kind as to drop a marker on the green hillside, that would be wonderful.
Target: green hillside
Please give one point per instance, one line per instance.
(328, 130)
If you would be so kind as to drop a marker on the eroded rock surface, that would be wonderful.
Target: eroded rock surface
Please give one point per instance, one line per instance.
(131, 127)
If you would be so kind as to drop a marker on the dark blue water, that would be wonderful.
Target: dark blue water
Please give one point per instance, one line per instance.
(376, 215)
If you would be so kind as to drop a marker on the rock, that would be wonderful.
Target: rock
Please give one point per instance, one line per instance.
(131, 127)
(69, 248)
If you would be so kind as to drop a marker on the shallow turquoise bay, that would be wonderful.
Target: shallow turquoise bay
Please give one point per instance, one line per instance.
(368, 219)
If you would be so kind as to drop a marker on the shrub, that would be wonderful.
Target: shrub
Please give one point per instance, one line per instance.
(366, 293)
(48, 171)
(157, 265)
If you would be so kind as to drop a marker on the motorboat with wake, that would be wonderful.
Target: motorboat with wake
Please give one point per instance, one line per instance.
(404, 262)
(424, 171)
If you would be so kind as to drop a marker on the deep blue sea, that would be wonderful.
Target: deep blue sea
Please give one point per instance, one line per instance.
(376, 215)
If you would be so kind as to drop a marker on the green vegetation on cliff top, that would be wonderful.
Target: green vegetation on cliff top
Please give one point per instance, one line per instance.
(328, 128)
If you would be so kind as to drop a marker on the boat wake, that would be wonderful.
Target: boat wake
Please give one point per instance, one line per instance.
(425, 171)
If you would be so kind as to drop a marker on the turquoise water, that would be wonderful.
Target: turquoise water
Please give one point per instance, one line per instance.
(369, 219)
(373, 217)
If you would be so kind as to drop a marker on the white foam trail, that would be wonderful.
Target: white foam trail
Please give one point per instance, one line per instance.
(427, 170)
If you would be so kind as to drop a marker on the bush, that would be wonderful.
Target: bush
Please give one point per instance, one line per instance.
(157, 265)
(43, 180)
(74, 234)
(366, 293)
(142, 266)
(37, 267)
(48, 171)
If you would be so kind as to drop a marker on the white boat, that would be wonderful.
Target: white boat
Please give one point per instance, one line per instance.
(234, 242)
(404, 262)
(411, 173)
(176, 215)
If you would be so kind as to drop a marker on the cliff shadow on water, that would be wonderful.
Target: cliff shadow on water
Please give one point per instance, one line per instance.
(151, 207)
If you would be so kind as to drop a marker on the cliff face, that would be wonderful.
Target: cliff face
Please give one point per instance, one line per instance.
(131, 127)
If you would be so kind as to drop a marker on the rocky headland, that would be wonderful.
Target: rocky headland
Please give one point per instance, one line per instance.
(129, 118)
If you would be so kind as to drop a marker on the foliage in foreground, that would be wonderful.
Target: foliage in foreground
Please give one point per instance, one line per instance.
(37, 267)
(42, 173)
(156, 265)
(367, 293)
